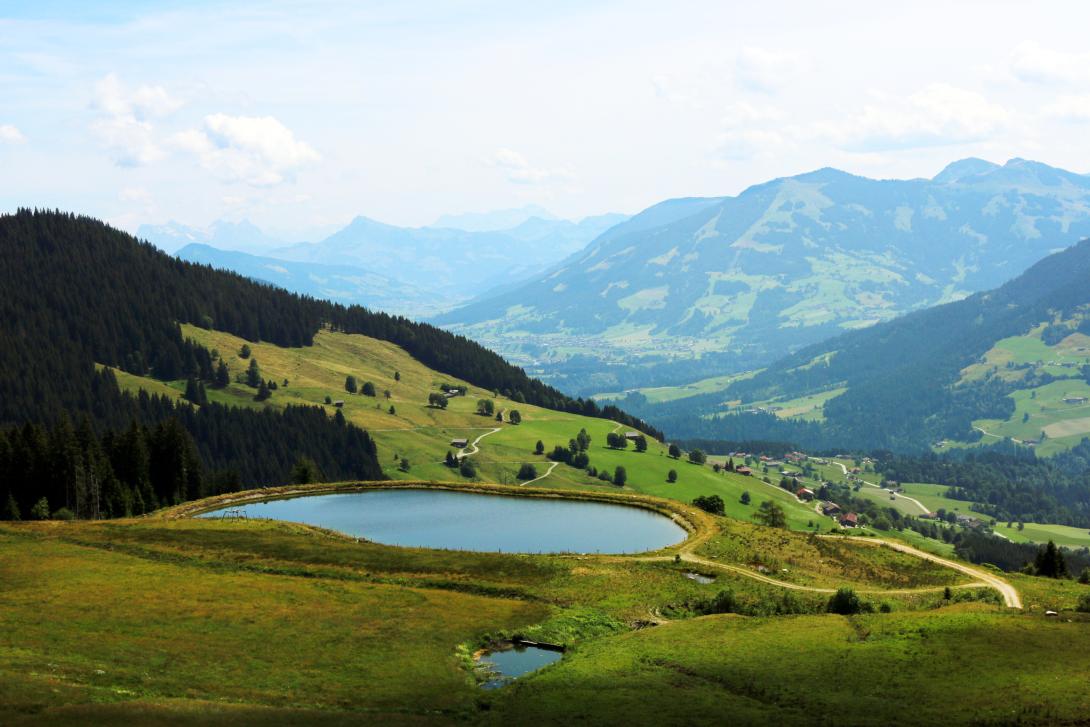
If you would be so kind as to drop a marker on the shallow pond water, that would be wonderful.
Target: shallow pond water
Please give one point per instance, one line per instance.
(483, 522)
(508, 664)
(699, 577)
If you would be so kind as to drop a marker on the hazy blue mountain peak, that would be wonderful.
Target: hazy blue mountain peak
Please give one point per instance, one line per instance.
(964, 168)
(494, 220)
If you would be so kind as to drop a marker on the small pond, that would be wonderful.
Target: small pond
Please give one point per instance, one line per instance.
(507, 664)
(699, 577)
(454, 520)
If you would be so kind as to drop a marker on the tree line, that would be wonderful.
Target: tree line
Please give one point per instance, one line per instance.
(167, 453)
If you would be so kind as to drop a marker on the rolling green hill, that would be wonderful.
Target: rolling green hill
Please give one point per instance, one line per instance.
(1003, 360)
(86, 309)
(422, 434)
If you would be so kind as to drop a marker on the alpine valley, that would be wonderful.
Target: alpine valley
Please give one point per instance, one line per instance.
(691, 288)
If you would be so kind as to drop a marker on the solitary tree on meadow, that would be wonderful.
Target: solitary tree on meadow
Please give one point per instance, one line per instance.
(771, 515)
(253, 374)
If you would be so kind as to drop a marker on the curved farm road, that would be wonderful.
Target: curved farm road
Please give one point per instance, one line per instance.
(540, 477)
(996, 436)
(913, 500)
(689, 557)
(981, 577)
(1006, 590)
(473, 448)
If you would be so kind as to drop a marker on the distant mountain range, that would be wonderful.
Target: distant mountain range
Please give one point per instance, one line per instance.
(241, 236)
(693, 287)
(341, 283)
(459, 264)
(494, 220)
(411, 271)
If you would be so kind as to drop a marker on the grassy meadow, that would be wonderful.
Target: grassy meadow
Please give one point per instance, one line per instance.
(196, 621)
(878, 669)
(1041, 409)
(177, 620)
(660, 394)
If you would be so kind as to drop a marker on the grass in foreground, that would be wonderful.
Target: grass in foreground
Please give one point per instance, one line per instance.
(959, 665)
(198, 620)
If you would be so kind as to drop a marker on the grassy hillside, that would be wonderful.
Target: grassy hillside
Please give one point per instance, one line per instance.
(917, 380)
(422, 434)
(205, 621)
(1041, 377)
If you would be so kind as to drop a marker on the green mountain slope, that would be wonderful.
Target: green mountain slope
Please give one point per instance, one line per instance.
(80, 301)
(692, 288)
(932, 375)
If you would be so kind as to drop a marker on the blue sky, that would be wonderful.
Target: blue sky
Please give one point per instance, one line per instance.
(300, 117)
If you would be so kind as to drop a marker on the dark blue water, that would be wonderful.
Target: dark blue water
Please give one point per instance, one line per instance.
(514, 662)
(467, 521)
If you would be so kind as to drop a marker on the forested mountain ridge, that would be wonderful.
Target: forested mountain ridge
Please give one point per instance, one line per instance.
(916, 380)
(75, 293)
(738, 282)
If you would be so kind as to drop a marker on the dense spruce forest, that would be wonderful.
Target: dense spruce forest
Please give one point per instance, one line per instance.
(75, 292)
(901, 374)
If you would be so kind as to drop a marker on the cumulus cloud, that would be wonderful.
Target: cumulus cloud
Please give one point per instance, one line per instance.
(142, 102)
(257, 150)
(1069, 108)
(1035, 64)
(124, 125)
(937, 115)
(765, 70)
(520, 171)
(9, 134)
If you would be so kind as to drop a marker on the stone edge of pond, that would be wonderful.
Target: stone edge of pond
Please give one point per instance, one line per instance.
(695, 522)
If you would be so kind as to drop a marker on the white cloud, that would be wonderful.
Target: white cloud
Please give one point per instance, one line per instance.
(520, 171)
(257, 150)
(764, 70)
(141, 103)
(130, 142)
(9, 134)
(937, 115)
(1069, 108)
(1035, 64)
(124, 125)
